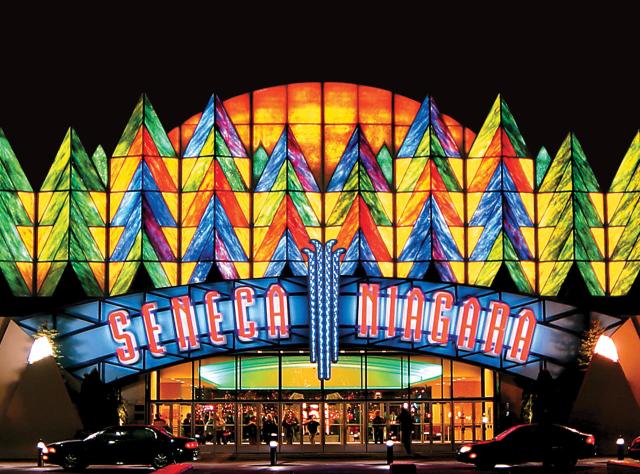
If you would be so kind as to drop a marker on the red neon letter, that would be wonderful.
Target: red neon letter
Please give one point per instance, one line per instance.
(413, 316)
(522, 336)
(183, 316)
(494, 335)
(152, 328)
(368, 310)
(214, 318)
(118, 322)
(243, 297)
(277, 311)
(392, 304)
(468, 327)
(439, 328)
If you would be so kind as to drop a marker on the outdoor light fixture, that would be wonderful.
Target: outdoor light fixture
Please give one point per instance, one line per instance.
(273, 447)
(42, 448)
(606, 348)
(620, 446)
(40, 349)
(389, 451)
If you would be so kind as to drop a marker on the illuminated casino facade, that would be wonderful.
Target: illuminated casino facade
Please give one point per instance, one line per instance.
(324, 248)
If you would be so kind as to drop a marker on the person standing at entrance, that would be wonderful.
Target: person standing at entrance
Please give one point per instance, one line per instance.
(269, 429)
(186, 426)
(312, 428)
(159, 422)
(406, 427)
(218, 420)
(289, 425)
(378, 427)
(252, 430)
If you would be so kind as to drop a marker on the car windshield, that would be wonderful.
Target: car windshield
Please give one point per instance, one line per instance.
(507, 432)
(93, 435)
(164, 431)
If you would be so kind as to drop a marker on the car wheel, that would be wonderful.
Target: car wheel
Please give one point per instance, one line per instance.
(71, 461)
(160, 460)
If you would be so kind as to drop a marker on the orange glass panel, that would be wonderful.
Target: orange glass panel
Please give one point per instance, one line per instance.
(374, 105)
(239, 109)
(270, 105)
(305, 103)
(340, 103)
(405, 110)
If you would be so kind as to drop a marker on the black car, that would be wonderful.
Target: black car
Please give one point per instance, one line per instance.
(554, 445)
(130, 444)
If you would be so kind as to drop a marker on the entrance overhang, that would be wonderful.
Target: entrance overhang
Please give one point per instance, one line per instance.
(136, 333)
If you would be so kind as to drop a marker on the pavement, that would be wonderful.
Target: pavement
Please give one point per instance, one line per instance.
(295, 466)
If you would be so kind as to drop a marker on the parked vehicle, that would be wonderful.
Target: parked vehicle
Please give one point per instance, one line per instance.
(634, 448)
(129, 444)
(555, 445)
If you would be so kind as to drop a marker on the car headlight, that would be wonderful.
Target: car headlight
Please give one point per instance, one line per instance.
(465, 449)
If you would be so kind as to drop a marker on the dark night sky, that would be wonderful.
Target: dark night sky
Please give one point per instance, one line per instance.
(563, 73)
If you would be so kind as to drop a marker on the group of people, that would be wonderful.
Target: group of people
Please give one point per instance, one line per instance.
(290, 427)
(404, 420)
(214, 427)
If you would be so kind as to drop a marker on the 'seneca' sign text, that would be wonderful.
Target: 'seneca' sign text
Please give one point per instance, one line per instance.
(413, 317)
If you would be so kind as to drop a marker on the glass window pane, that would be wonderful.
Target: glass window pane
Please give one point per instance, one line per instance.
(216, 378)
(299, 378)
(426, 377)
(259, 377)
(466, 380)
(347, 377)
(446, 378)
(387, 376)
(176, 383)
(488, 383)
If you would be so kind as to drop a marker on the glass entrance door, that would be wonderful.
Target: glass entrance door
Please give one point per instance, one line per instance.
(354, 423)
(333, 416)
(249, 415)
(377, 423)
(464, 422)
(291, 425)
(311, 423)
(175, 418)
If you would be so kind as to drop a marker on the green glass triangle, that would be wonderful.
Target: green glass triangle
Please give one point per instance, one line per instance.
(543, 160)
(293, 183)
(376, 209)
(508, 123)
(221, 148)
(303, 206)
(385, 161)
(260, 158)
(436, 146)
(231, 172)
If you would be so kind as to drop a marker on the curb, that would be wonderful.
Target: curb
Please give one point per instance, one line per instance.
(175, 469)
